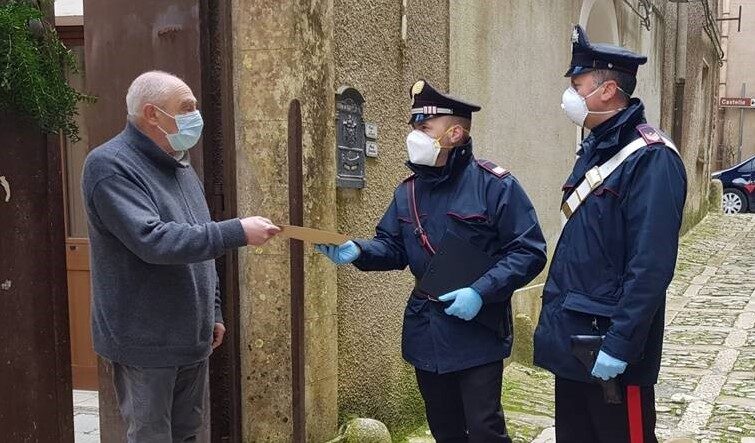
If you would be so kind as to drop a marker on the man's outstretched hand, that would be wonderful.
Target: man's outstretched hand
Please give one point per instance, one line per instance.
(258, 230)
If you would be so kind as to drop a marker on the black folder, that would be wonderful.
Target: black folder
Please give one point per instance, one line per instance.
(457, 264)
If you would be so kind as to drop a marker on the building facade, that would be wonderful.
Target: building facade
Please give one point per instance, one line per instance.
(507, 56)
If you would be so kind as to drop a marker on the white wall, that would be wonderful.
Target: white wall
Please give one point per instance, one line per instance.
(510, 57)
(69, 7)
(740, 68)
(651, 43)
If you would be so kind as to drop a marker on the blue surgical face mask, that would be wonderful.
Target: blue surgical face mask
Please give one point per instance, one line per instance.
(189, 130)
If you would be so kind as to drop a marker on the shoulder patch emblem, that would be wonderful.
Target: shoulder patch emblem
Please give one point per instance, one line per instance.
(649, 134)
(493, 168)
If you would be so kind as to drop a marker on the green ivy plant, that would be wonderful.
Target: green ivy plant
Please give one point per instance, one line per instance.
(33, 66)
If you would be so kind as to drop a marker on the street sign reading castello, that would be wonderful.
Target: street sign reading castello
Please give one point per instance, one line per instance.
(737, 102)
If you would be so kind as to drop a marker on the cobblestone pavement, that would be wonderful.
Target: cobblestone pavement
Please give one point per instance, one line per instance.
(707, 383)
(706, 390)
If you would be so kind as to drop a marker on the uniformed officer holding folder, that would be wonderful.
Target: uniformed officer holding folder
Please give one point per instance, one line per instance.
(470, 236)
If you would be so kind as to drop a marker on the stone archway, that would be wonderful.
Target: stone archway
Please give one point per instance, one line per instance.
(598, 18)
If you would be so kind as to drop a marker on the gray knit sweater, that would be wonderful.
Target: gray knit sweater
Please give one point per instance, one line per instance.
(153, 247)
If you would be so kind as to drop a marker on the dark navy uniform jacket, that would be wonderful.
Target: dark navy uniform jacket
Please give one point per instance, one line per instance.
(616, 256)
(487, 207)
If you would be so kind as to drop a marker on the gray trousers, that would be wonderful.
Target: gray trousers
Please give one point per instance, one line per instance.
(162, 405)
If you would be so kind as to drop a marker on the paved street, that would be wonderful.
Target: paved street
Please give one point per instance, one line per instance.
(707, 383)
(86, 420)
(707, 387)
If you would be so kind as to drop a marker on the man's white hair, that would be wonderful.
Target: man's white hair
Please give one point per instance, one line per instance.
(151, 87)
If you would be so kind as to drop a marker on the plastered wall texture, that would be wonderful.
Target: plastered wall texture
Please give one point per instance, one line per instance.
(510, 57)
(372, 55)
(678, 48)
(283, 50)
(739, 68)
(520, 51)
(507, 56)
(701, 75)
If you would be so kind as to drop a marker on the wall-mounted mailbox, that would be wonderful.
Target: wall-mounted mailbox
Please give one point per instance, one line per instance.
(350, 138)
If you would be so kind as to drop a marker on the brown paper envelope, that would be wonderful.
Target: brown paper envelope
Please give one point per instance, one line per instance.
(311, 235)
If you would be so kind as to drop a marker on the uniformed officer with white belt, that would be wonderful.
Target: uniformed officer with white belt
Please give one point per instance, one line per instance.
(622, 211)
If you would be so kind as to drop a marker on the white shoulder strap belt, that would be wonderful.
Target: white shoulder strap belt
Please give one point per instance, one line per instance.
(595, 176)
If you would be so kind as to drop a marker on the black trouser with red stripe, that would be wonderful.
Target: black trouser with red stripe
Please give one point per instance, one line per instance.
(465, 406)
(582, 416)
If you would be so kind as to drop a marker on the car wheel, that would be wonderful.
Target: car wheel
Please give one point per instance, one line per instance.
(734, 202)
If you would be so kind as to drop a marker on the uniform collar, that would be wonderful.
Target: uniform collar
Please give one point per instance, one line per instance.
(610, 133)
(460, 157)
(139, 141)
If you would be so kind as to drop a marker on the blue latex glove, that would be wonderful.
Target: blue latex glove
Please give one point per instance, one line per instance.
(607, 367)
(466, 303)
(342, 254)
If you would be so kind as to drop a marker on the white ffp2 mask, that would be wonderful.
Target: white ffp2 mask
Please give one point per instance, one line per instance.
(422, 149)
(575, 106)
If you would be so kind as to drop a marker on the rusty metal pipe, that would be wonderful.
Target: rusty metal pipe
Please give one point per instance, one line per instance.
(296, 248)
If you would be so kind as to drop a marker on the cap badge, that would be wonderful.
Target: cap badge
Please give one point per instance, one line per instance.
(417, 87)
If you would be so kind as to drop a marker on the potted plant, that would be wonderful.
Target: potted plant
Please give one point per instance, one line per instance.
(33, 66)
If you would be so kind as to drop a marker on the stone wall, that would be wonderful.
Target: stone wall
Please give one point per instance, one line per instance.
(375, 56)
(507, 56)
(699, 69)
(520, 50)
(283, 50)
(740, 64)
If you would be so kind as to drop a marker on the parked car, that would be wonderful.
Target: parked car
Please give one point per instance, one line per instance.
(739, 187)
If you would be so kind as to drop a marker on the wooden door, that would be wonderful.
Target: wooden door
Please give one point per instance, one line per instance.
(192, 39)
(83, 358)
(35, 370)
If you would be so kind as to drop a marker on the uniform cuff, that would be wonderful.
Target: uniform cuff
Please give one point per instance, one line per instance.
(618, 347)
(363, 246)
(485, 289)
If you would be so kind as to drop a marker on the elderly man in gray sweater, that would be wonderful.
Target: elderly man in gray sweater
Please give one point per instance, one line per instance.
(156, 306)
